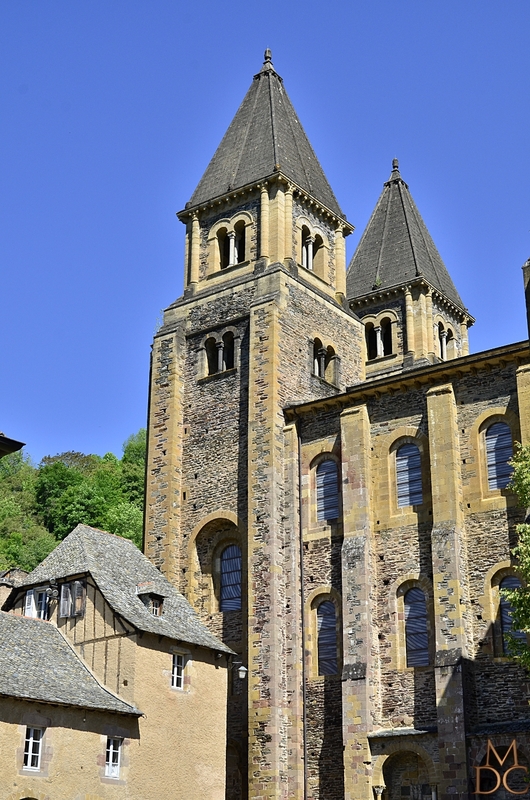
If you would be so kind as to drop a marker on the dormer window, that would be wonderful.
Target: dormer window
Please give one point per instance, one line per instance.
(36, 603)
(154, 605)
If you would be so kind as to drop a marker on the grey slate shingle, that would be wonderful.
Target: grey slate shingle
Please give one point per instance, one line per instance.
(264, 137)
(117, 567)
(396, 247)
(37, 663)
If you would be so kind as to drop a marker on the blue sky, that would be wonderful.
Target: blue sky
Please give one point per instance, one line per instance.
(111, 111)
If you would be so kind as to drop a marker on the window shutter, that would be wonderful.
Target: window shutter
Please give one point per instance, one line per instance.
(78, 599)
(231, 578)
(66, 601)
(416, 636)
(29, 604)
(327, 491)
(408, 476)
(327, 639)
(499, 451)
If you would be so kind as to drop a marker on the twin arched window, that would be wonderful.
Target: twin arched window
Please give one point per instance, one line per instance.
(232, 245)
(446, 343)
(416, 628)
(327, 637)
(327, 485)
(379, 339)
(220, 354)
(408, 476)
(230, 595)
(312, 251)
(499, 451)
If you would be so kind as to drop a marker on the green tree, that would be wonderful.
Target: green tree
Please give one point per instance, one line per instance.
(520, 598)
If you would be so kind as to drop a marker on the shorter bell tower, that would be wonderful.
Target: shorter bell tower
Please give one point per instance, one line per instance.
(399, 286)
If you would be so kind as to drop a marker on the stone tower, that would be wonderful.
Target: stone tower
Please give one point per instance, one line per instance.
(399, 286)
(262, 324)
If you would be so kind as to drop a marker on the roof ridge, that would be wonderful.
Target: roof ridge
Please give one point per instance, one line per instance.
(387, 214)
(408, 230)
(419, 221)
(273, 125)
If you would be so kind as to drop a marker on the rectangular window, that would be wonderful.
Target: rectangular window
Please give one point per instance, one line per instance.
(112, 757)
(73, 596)
(177, 673)
(33, 748)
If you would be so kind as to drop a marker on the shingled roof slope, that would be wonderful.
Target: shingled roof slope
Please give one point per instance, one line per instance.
(37, 663)
(118, 567)
(264, 137)
(396, 247)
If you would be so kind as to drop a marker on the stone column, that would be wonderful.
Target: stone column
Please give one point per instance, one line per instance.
(264, 222)
(523, 398)
(288, 223)
(409, 317)
(340, 264)
(443, 345)
(358, 601)
(277, 223)
(231, 248)
(220, 356)
(429, 325)
(449, 589)
(464, 338)
(310, 242)
(422, 334)
(378, 341)
(195, 249)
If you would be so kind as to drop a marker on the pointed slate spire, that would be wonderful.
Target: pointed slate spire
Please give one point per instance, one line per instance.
(396, 247)
(265, 137)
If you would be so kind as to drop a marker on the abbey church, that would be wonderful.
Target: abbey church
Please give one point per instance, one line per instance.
(327, 483)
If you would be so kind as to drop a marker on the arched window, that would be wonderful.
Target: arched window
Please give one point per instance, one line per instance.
(386, 336)
(327, 491)
(499, 451)
(442, 342)
(230, 579)
(307, 248)
(371, 341)
(408, 476)
(327, 638)
(416, 636)
(331, 364)
(319, 359)
(224, 248)
(212, 356)
(228, 350)
(506, 611)
(318, 256)
(450, 344)
(240, 242)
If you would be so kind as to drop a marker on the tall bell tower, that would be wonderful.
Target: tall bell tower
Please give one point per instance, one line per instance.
(262, 324)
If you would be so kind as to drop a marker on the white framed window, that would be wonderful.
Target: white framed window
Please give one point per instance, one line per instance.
(33, 748)
(36, 604)
(73, 597)
(113, 757)
(177, 671)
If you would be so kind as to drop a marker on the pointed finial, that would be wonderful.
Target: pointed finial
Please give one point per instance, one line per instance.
(395, 164)
(267, 56)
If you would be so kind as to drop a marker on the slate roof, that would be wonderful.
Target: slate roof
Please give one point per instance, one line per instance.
(117, 567)
(37, 663)
(396, 247)
(264, 137)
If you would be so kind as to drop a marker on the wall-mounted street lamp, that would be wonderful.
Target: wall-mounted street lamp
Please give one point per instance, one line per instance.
(241, 669)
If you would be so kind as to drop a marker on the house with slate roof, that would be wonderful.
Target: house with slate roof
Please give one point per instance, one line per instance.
(110, 685)
(328, 483)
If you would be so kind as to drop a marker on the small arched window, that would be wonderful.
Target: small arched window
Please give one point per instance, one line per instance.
(386, 336)
(506, 611)
(319, 359)
(318, 256)
(450, 344)
(230, 579)
(212, 356)
(224, 248)
(228, 350)
(327, 491)
(240, 243)
(327, 638)
(307, 248)
(408, 476)
(499, 451)
(371, 341)
(416, 634)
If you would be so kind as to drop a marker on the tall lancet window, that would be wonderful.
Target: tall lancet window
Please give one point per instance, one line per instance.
(327, 638)
(231, 578)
